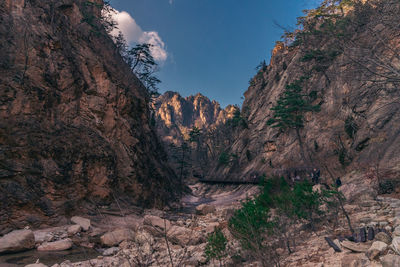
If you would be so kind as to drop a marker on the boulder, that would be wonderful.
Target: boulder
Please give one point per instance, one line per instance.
(183, 236)
(196, 256)
(317, 188)
(359, 190)
(83, 222)
(355, 247)
(383, 237)
(354, 260)
(16, 241)
(143, 237)
(390, 260)
(74, 229)
(396, 221)
(115, 237)
(155, 221)
(36, 265)
(376, 249)
(42, 236)
(396, 244)
(205, 209)
(59, 245)
(228, 213)
(110, 251)
(383, 224)
(156, 225)
(211, 227)
(396, 231)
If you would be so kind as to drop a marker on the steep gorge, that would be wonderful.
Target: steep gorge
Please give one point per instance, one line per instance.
(175, 117)
(74, 120)
(349, 65)
(76, 134)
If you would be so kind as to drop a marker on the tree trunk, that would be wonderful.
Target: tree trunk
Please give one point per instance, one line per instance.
(301, 145)
(340, 201)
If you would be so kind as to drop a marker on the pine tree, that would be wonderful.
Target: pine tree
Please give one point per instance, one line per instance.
(141, 61)
(216, 246)
(181, 157)
(144, 66)
(194, 135)
(289, 111)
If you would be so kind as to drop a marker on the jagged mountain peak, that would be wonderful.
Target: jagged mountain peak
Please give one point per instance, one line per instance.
(176, 115)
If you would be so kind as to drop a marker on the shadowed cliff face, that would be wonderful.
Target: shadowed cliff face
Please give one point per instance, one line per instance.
(357, 131)
(74, 120)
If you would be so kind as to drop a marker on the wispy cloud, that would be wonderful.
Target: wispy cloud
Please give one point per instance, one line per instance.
(133, 33)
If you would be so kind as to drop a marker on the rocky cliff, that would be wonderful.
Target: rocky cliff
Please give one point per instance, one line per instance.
(175, 115)
(74, 120)
(346, 60)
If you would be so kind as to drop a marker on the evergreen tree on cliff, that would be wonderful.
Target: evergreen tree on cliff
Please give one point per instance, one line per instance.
(288, 113)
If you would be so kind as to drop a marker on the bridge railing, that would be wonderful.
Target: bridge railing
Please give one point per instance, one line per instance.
(290, 174)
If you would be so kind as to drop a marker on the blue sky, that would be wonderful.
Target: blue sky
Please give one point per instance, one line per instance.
(209, 46)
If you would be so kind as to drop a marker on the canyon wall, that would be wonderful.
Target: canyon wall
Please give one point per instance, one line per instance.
(348, 63)
(74, 120)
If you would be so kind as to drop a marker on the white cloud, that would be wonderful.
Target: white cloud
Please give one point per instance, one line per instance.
(158, 49)
(133, 33)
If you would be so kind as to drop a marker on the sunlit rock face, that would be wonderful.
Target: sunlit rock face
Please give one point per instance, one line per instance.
(74, 120)
(359, 87)
(176, 115)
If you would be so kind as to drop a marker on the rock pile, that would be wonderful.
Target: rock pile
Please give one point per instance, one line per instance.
(52, 239)
(379, 222)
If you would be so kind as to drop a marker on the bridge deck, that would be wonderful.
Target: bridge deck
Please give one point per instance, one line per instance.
(216, 181)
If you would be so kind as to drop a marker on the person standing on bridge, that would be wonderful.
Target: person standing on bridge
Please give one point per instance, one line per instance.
(315, 176)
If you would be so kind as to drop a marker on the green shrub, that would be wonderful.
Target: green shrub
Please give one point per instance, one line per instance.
(260, 232)
(249, 223)
(238, 120)
(306, 202)
(288, 113)
(216, 246)
(386, 187)
(342, 155)
(350, 127)
(224, 158)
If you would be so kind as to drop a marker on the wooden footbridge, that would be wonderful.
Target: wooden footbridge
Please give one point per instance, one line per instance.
(301, 172)
(230, 181)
